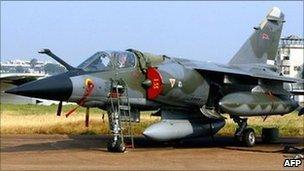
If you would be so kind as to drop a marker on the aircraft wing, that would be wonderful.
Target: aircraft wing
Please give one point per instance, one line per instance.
(246, 70)
(19, 78)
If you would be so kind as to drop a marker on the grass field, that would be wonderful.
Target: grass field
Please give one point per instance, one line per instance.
(37, 119)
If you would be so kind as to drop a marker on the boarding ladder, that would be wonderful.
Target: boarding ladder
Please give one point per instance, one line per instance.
(120, 103)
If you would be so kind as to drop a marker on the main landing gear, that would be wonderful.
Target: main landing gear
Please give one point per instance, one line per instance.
(244, 135)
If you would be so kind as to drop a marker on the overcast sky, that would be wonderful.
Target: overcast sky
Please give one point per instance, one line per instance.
(211, 31)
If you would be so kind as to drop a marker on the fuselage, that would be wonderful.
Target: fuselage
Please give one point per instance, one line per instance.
(153, 82)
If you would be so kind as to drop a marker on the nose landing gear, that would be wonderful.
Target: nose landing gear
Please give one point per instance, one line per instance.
(117, 143)
(244, 135)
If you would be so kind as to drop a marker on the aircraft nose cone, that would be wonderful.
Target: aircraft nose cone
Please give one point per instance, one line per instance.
(57, 87)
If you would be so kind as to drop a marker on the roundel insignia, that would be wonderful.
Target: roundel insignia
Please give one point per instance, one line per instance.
(156, 87)
(88, 82)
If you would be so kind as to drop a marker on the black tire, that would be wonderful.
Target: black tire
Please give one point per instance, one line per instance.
(270, 135)
(248, 138)
(117, 146)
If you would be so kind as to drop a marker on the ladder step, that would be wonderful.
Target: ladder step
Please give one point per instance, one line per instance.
(122, 107)
(118, 86)
(125, 118)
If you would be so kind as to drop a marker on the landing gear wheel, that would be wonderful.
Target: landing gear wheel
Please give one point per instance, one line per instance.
(243, 134)
(116, 146)
(248, 137)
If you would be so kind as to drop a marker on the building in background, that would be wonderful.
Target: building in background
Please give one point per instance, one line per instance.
(32, 66)
(290, 62)
(16, 72)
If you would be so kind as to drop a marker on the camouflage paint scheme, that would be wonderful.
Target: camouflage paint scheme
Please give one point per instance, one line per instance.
(193, 94)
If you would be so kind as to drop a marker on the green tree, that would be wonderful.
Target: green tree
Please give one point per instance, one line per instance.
(51, 68)
(33, 62)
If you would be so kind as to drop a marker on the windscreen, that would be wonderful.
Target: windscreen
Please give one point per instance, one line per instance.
(98, 61)
(123, 59)
(107, 60)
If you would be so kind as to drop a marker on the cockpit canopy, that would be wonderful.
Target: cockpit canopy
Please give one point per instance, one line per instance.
(108, 60)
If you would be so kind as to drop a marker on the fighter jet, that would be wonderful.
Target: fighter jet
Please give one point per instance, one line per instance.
(189, 96)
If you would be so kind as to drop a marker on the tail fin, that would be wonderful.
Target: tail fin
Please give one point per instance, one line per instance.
(264, 41)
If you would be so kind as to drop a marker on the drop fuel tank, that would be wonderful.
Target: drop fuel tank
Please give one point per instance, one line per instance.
(255, 104)
(171, 129)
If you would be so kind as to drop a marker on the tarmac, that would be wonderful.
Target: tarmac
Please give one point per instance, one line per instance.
(88, 152)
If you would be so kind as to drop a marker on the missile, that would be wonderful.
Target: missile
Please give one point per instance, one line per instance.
(171, 129)
(254, 104)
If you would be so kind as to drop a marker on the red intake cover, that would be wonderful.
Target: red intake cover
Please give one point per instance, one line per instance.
(157, 83)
